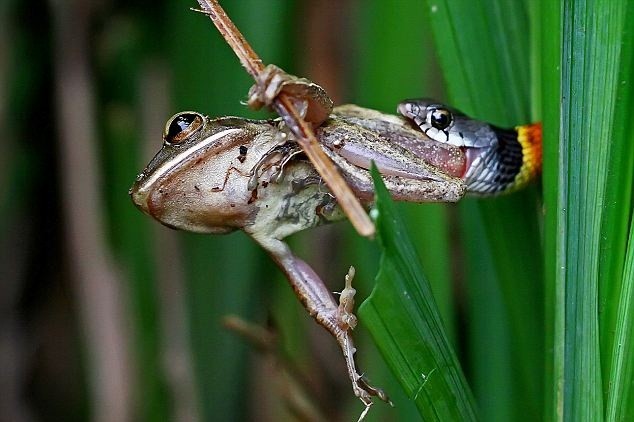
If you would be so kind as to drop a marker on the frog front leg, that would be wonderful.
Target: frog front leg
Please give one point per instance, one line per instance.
(310, 99)
(322, 306)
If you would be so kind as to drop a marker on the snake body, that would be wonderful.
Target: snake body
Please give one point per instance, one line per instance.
(498, 160)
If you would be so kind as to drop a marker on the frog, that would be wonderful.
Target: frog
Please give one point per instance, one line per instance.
(218, 175)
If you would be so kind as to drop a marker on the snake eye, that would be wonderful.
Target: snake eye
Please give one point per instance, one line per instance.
(182, 126)
(440, 118)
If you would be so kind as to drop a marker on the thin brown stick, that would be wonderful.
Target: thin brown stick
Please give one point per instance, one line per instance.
(233, 36)
(303, 131)
(279, 372)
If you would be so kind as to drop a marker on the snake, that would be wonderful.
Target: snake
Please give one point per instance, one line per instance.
(499, 160)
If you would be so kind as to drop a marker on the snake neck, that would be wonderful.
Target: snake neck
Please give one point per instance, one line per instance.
(511, 164)
(530, 138)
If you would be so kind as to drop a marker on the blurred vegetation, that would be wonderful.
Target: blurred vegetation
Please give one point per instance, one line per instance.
(106, 315)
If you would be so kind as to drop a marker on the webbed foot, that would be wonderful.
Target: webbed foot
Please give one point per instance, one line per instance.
(348, 321)
(310, 99)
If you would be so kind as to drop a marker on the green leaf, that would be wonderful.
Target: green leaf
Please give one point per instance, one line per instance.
(617, 213)
(403, 318)
(619, 406)
(591, 34)
(550, 17)
(616, 253)
(484, 51)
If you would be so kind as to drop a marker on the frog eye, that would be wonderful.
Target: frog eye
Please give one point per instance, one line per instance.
(182, 126)
(439, 118)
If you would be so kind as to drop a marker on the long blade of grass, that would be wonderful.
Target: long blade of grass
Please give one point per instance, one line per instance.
(617, 254)
(591, 44)
(484, 50)
(618, 201)
(404, 321)
(490, 360)
(619, 406)
(554, 291)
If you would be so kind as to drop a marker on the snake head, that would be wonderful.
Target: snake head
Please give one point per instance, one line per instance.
(498, 160)
(447, 125)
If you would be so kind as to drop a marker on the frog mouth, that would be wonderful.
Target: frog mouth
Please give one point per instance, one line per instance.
(139, 198)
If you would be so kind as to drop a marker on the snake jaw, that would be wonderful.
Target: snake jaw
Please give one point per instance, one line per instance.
(497, 160)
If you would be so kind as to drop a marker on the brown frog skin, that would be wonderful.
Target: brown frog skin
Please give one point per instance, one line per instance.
(229, 173)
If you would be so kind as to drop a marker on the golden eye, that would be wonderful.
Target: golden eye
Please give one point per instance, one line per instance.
(440, 118)
(182, 126)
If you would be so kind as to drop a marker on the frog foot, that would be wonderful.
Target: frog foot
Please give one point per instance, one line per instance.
(373, 392)
(360, 385)
(310, 99)
(348, 321)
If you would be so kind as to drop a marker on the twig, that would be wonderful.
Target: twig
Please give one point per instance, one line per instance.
(288, 381)
(303, 131)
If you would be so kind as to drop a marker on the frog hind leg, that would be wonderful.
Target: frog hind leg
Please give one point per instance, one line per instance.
(322, 306)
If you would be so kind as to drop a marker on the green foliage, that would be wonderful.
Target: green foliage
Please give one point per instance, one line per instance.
(402, 316)
(493, 62)
(483, 48)
(592, 206)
